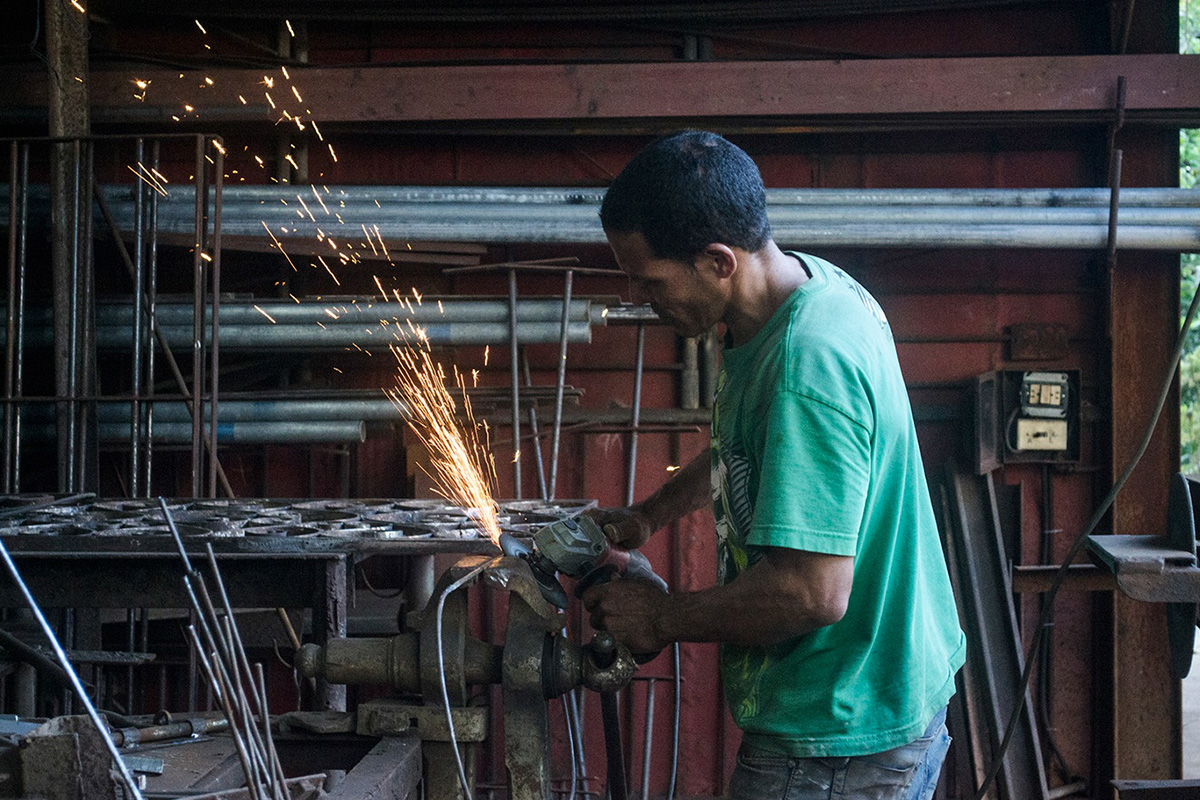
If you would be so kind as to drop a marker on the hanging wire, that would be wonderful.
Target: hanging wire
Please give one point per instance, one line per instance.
(1081, 540)
(441, 656)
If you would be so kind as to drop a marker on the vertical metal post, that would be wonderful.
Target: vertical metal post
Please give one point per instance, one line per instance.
(89, 460)
(514, 356)
(533, 429)
(151, 352)
(139, 268)
(648, 739)
(711, 370)
(131, 641)
(19, 365)
(72, 387)
(689, 381)
(198, 298)
(10, 344)
(560, 384)
(638, 369)
(215, 255)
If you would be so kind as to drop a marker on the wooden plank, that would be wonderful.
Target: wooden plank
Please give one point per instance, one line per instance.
(1069, 86)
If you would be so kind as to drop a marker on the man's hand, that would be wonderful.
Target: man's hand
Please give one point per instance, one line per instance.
(629, 528)
(629, 609)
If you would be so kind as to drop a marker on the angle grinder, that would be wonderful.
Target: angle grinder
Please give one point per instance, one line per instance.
(577, 548)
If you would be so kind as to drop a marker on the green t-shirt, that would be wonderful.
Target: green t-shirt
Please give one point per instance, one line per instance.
(814, 449)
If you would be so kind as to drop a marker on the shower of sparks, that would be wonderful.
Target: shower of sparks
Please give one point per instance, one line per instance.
(462, 468)
(279, 246)
(151, 179)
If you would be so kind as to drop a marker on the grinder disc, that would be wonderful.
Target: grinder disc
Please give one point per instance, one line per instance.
(1181, 535)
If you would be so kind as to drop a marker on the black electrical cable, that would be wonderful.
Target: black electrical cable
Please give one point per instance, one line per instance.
(1080, 541)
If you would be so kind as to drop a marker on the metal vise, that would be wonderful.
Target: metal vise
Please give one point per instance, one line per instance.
(536, 663)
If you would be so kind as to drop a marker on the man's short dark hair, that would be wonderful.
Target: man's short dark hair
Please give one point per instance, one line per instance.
(685, 191)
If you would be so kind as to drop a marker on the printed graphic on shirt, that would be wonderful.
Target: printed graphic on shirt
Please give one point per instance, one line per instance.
(733, 508)
(867, 300)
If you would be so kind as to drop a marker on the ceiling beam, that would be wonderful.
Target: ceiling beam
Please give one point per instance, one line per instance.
(1163, 88)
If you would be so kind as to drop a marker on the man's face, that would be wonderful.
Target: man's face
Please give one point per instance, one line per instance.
(689, 297)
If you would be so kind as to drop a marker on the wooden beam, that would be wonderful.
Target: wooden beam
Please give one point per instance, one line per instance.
(1165, 87)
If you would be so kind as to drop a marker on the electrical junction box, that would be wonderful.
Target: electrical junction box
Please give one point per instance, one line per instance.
(1044, 394)
(1025, 416)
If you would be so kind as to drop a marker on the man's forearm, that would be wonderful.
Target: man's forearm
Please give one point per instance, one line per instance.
(688, 490)
(780, 597)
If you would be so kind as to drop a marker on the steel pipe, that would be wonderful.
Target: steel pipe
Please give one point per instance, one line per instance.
(358, 311)
(167, 411)
(310, 432)
(307, 337)
(1158, 218)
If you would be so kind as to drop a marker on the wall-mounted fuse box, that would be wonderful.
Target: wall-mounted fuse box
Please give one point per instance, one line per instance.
(1026, 417)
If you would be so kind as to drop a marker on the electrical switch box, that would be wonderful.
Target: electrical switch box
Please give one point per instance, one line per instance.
(1026, 416)
(1044, 394)
(1041, 434)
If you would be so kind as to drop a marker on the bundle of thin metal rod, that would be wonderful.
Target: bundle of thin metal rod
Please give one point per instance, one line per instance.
(240, 690)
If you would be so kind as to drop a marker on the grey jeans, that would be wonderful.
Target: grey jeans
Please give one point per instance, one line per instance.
(909, 772)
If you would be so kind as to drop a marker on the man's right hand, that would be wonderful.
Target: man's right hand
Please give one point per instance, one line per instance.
(629, 528)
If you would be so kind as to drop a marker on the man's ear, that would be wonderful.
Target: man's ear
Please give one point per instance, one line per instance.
(720, 258)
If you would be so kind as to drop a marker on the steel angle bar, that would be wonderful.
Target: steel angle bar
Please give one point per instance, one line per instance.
(982, 586)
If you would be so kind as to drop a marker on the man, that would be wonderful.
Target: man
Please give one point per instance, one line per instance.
(839, 634)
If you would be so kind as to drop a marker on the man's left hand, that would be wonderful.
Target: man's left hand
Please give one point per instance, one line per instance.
(630, 610)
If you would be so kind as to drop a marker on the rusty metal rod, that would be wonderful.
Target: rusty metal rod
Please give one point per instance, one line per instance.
(239, 745)
(151, 308)
(638, 369)
(136, 357)
(11, 323)
(514, 352)
(559, 385)
(215, 353)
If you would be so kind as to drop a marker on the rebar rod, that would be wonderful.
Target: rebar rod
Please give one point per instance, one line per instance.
(10, 355)
(22, 239)
(559, 385)
(238, 743)
(151, 308)
(533, 429)
(639, 363)
(200, 228)
(215, 351)
(136, 358)
(514, 351)
(647, 738)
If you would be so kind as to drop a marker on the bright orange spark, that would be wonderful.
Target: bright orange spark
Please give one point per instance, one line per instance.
(278, 245)
(264, 313)
(462, 467)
